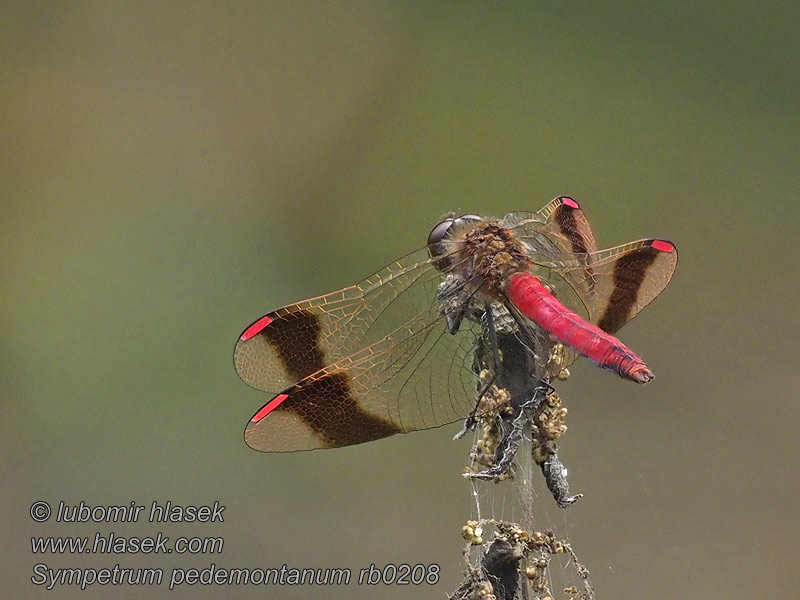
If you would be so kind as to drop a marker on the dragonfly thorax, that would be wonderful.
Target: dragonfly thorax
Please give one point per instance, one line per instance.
(473, 248)
(492, 252)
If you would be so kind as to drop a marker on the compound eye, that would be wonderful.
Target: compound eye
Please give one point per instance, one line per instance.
(437, 246)
(439, 232)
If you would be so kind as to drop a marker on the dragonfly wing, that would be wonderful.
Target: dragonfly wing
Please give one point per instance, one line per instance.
(290, 343)
(561, 221)
(414, 378)
(628, 278)
(560, 244)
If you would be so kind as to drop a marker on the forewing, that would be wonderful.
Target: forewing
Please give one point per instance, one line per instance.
(288, 344)
(561, 246)
(561, 221)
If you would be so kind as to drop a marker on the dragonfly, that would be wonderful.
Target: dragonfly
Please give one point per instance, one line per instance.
(395, 353)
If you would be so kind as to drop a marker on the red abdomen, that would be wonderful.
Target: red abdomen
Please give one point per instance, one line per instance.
(533, 300)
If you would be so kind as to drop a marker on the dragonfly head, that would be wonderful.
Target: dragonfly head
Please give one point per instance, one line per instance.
(440, 246)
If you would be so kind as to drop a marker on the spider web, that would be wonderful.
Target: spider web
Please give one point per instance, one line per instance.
(511, 553)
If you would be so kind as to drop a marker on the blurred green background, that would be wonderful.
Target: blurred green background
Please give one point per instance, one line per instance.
(171, 171)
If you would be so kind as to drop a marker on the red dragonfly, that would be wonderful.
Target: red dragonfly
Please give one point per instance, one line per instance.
(395, 353)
